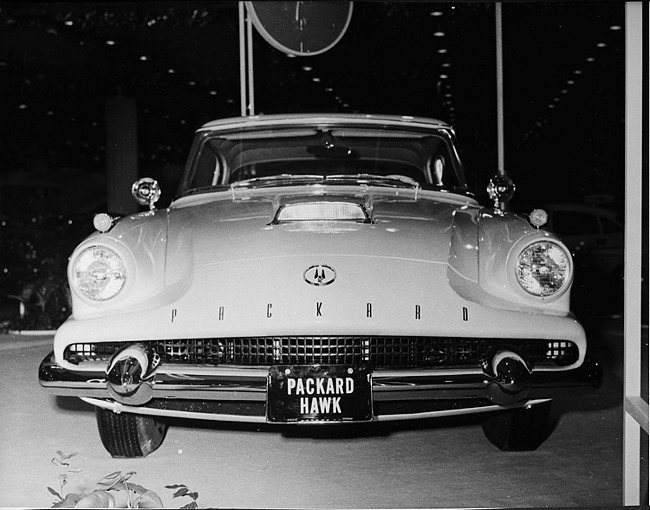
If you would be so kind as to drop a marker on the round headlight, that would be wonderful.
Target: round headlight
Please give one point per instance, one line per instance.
(543, 268)
(99, 273)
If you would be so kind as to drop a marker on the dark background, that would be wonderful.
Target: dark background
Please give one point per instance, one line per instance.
(60, 62)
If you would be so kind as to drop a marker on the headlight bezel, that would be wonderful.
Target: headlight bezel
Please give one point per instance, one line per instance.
(514, 260)
(124, 259)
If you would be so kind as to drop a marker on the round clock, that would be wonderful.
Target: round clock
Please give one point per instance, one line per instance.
(301, 28)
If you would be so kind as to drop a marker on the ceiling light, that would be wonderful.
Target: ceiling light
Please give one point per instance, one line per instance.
(570, 82)
(315, 79)
(444, 76)
(110, 43)
(438, 34)
(615, 27)
(213, 92)
(577, 71)
(306, 68)
(144, 57)
(69, 23)
(446, 64)
(601, 44)
(171, 71)
(435, 13)
(442, 50)
(590, 59)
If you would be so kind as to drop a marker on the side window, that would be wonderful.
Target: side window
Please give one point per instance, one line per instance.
(208, 169)
(570, 223)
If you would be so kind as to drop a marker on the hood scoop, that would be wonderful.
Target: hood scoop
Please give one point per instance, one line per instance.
(322, 211)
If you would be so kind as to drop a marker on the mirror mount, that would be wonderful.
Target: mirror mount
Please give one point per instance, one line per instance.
(501, 189)
(146, 191)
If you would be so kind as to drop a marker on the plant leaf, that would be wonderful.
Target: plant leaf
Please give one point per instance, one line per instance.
(70, 501)
(190, 506)
(181, 492)
(175, 486)
(53, 492)
(194, 495)
(138, 489)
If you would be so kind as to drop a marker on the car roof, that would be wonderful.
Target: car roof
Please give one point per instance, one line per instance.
(307, 119)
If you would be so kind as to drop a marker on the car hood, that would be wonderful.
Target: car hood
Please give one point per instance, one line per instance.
(409, 226)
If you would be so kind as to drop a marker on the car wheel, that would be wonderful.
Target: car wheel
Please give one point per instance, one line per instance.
(521, 429)
(129, 435)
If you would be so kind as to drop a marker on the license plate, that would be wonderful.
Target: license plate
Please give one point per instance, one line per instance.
(306, 393)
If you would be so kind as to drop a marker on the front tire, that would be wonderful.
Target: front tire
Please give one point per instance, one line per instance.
(518, 430)
(129, 435)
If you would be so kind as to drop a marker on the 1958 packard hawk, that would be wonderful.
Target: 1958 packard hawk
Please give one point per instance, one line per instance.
(320, 269)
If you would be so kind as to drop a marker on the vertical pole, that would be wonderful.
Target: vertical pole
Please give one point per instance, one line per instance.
(633, 207)
(249, 61)
(242, 60)
(121, 154)
(499, 50)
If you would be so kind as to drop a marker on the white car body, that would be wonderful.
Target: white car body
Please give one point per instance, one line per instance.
(412, 285)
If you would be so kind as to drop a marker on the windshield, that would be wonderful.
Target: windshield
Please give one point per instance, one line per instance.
(333, 156)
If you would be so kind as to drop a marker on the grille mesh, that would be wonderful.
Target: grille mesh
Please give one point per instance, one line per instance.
(377, 351)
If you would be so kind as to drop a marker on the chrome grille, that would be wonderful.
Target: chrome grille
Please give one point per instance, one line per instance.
(378, 351)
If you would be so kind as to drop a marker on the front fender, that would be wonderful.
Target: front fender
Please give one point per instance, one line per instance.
(483, 251)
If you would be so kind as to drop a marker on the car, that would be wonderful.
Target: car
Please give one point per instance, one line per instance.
(320, 269)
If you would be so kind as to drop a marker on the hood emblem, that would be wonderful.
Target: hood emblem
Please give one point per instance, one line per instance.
(319, 275)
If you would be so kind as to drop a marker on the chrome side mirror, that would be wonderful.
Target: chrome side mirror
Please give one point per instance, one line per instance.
(146, 191)
(500, 189)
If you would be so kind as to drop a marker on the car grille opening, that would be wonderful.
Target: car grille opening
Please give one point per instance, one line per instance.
(377, 351)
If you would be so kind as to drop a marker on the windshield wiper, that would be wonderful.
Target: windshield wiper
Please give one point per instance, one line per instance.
(381, 180)
(271, 180)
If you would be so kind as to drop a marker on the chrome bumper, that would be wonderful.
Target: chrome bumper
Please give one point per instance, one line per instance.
(239, 394)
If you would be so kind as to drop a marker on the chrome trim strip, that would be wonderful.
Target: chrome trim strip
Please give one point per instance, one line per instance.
(407, 385)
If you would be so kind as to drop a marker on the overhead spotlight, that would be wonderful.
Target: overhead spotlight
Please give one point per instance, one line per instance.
(601, 45)
(329, 89)
(435, 14)
(171, 71)
(564, 91)
(570, 82)
(442, 51)
(315, 79)
(213, 92)
(144, 58)
(69, 23)
(590, 59)
(577, 71)
(110, 42)
(438, 34)
(446, 64)
(306, 68)
(615, 27)
(444, 76)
